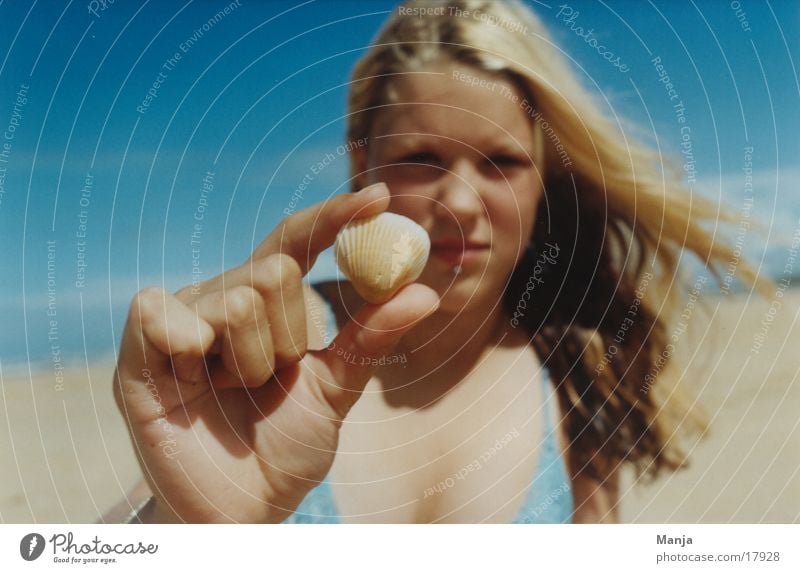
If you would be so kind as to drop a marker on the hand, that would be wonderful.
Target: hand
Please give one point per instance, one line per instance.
(232, 417)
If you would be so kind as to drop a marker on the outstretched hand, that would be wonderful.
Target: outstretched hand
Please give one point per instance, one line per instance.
(232, 417)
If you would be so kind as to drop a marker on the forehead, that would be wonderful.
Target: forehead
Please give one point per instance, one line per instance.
(457, 103)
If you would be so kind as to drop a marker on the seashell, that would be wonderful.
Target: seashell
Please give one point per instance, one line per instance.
(381, 254)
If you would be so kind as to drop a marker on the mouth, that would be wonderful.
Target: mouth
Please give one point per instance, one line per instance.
(458, 252)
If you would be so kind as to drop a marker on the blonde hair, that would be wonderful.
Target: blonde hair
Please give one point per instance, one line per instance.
(607, 199)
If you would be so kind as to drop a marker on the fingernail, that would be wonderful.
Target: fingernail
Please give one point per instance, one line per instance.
(433, 308)
(374, 190)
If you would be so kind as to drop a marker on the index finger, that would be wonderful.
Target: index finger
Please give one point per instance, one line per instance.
(305, 234)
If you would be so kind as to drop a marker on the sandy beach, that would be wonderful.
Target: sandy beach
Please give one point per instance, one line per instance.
(66, 456)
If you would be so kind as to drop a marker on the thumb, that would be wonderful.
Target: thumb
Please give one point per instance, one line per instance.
(372, 333)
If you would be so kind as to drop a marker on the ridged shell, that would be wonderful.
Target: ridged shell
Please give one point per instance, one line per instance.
(381, 254)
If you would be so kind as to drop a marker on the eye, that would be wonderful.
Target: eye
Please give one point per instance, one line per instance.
(421, 157)
(416, 166)
(508, 160)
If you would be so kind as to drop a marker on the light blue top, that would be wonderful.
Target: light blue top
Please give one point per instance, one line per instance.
(548, 500)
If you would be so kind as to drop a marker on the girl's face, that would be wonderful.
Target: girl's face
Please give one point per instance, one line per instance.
(457, 156)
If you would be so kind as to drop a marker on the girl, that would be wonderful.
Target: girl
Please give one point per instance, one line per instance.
(510, 384)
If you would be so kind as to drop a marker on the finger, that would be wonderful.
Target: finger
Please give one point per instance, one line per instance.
(239, 318)
(160, 330)
(307, 233)
(279, 281)
(301, 236)
(370, 335)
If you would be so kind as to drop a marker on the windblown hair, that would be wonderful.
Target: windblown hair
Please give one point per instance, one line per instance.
(619, 215)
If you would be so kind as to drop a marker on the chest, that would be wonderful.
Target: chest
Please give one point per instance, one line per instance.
(468, 456)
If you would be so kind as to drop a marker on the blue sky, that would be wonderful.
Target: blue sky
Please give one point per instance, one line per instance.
(259, 97)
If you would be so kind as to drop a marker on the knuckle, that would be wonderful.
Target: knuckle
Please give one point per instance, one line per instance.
(242, 304)
(252, 367)
(275, 273)
(260, 376)
(147, 304)
(292, 354)
(186, 294)
(300, 344)
(118, 397)
(289, 269)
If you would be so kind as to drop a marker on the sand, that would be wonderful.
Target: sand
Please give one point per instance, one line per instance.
(66, 455)
(747, 468)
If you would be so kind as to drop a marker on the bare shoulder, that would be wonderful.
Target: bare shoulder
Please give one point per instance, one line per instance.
(595, 501)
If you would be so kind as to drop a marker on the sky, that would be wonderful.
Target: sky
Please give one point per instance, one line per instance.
(124, 122)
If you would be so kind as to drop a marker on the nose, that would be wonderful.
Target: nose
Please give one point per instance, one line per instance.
(458, 194)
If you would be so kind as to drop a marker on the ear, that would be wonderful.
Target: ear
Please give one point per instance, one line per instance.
(358, 167)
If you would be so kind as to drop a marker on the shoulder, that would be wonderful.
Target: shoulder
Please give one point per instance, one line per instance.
(595, 500)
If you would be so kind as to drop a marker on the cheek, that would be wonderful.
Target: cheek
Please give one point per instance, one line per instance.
(512, 222)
